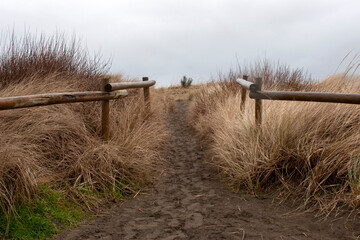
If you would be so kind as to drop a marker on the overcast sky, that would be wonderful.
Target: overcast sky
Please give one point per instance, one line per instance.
(166, 39)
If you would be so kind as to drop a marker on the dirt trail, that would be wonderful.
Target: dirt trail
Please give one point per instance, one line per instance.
(190, 203)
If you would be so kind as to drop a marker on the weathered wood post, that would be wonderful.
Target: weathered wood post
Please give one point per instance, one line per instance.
(243, 95)
(258, 103)
(105, 114)
(147, 96)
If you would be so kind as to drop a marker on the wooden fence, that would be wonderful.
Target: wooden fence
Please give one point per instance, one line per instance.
(259, 95)
(109, 91)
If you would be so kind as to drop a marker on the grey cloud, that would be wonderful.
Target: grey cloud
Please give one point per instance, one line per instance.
(166, 39)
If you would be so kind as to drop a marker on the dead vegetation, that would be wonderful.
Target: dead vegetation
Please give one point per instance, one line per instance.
(60, 145)
(308, 150)
(28, 56)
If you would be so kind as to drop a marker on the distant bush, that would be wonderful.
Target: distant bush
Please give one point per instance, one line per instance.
(186, 82)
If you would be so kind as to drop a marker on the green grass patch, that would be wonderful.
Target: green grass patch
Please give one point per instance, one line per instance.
(41, 218)
(51, 211)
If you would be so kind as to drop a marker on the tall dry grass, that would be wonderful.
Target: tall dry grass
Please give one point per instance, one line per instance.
(308, 150)
(274, 75)
(24, 57)
(60, 145)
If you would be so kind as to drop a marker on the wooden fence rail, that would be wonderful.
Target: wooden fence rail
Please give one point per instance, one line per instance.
(57, 98)
(126, 85)
(259, 95)
(307, 96)
(105, 95)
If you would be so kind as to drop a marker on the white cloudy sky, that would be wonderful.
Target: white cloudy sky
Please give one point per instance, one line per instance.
(165, 39)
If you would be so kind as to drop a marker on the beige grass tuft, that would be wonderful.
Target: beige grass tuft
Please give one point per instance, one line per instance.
(310, 150)
(60, 145)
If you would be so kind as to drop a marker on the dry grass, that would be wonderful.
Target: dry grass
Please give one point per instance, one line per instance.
(60, 145)
(274, 75)
(308, 150)
(30, 55)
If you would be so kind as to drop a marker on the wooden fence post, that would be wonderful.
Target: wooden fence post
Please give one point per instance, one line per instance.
(105, 114)
(147, 96)
(243, 95)
(258, 103)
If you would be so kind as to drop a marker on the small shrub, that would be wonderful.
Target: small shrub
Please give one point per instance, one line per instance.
(186, 82)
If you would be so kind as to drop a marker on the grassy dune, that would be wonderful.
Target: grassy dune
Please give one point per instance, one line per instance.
(59, 147)
(54, 165)
(309, 151)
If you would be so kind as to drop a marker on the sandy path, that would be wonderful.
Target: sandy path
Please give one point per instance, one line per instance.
(190, 203)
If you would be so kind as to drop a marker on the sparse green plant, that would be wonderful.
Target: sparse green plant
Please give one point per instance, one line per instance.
(354, 180)
(41, 217)
(186, 82)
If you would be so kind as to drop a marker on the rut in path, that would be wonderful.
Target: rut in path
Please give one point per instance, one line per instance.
(190, 203)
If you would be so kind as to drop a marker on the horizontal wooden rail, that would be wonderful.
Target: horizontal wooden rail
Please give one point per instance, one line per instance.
(246, 84)
(257, 94)
(126, 85)
(307, 96)
(108, 92)
(57, 98)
